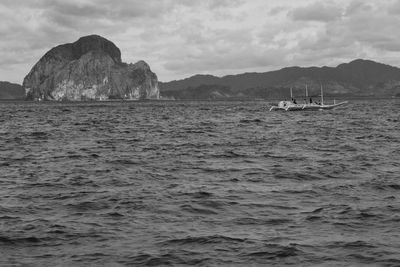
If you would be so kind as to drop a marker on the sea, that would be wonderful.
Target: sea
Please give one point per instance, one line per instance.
(199, 183)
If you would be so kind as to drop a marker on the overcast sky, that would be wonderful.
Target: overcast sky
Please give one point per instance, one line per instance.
(180, 38)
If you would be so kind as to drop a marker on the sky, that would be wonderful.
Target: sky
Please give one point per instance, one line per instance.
(181, 38)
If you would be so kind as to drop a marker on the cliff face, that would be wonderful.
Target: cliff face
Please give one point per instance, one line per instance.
(89, 69)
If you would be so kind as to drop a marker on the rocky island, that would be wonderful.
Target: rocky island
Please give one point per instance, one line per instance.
(89, 69)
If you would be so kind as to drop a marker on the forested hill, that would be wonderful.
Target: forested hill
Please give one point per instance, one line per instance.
(356, 78)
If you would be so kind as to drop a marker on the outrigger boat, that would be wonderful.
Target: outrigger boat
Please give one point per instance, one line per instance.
(293, 106)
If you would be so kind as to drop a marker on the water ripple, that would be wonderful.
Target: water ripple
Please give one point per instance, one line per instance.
(198, 183)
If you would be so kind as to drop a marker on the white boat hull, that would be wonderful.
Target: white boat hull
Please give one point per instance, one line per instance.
(289, 106)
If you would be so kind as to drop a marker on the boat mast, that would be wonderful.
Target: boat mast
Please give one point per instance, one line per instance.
(306, 92)
(322, 96)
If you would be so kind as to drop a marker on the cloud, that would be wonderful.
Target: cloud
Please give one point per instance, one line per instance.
(394, 8)
(357, 6)
(179, 38)
(372, 26)
(276, 10)
(317, 11)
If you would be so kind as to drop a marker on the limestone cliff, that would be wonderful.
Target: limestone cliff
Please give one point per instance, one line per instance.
(89, 69)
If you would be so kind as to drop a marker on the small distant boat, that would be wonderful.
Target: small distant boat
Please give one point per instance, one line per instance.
(293, 106)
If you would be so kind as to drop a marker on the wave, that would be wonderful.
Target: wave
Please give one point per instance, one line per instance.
(89, 205)
(261, 221)
(297, 176)
(21, 240)
(250, 120)
(167, 259)
(273, 251)
(125, 162)
(201, 240)
(352, 244)
(39, 135)
(199, 194)
(197, 210)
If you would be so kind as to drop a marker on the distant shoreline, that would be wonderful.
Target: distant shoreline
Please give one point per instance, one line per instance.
(194, 100)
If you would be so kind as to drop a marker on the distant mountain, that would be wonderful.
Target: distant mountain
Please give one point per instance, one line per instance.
(357, 78)
(11, 91)
(202, 92)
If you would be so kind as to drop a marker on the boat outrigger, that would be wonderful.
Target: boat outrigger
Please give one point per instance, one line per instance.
(293, 106)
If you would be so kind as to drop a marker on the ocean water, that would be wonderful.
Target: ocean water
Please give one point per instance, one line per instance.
(199, 183)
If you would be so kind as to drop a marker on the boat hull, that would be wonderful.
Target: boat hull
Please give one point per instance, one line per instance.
(305, 107)
(322, 107)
